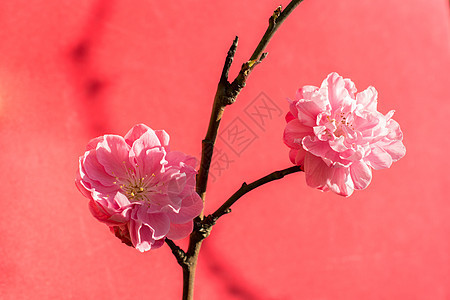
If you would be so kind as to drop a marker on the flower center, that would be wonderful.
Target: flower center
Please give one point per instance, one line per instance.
(138, 188)
(340, 125)
(135, 189)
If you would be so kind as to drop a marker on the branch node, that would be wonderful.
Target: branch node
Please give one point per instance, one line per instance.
(264, 55)
(276, 14)
(229, 61)
(179, 254)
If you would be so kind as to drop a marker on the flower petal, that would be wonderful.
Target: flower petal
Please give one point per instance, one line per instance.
(180, 159)
(159, 222)
(368, 99)
(341, 182)
(395, 149)
(335, 86)
(94, 142)
(361, 175)
(317, 172)
(113, 155)
(163, 137)
(191, 207)
(136, 132)
(306, 92)
(350, 87)
(378, 158)
(294, 133)
(308, 111)
(90, 166)
(179, 231)
(323, 150)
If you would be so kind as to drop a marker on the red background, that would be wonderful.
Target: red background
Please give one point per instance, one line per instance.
(73, 70)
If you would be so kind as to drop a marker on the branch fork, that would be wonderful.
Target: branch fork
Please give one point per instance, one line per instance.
(226, 94)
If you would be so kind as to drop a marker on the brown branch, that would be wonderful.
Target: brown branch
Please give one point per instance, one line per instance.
(226, 94)
(214, 122)
(275, 21)
(179, 254)
(245, 188)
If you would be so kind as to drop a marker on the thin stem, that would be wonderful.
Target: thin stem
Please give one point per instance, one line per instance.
(245, 188)
(179, 254)
(275, 21)
(226, 94)
(214, 122)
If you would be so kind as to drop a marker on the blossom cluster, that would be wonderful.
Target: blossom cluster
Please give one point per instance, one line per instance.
(337, 135)
(139, 188)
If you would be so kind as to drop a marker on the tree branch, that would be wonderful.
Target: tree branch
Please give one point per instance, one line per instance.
(245, 188)
(214, 122)
(275, 21)
(179, 254)
(226, 94)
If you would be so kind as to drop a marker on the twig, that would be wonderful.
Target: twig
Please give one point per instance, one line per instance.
(245, 188)
(202, 229)
(214, 122)
(179, 254)
(226, 94)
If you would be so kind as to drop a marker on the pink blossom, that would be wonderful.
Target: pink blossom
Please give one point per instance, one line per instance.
(139, 188)
(337, 135)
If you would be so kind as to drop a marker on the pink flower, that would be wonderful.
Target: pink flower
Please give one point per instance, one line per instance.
(139, 188)
(337, 135)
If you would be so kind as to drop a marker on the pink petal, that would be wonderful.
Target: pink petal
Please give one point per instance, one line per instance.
(323, 150)
(191, 207)
(150, 162)
(82, 188)
(341, 182)
(294, 133)
(350, 87)
(335, 85)
(179, 231)
(292, 155)
(113, 203)
(90, 165)
(147, 153)
(361, 175)
(308, 111)
(107, 216)
(136, 133)
(163, 138)
(94, 142)
(338, 144)
(113, 155)
(378, 159)
(395, 132)
(159, 222)
(317, 173)
(175, 158)
(368, 98)
(297, 156)
(396, 150)
(147, 140)
(141, 236)
(158, 244)
(316, 147)
(320, 176)
(300, 157)
(306, 92)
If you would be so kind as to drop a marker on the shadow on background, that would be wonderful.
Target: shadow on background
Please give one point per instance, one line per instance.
(89, 81)
(235, 285)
